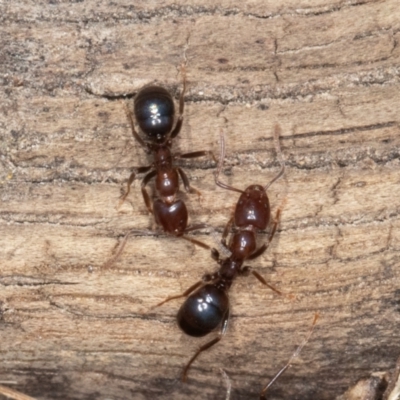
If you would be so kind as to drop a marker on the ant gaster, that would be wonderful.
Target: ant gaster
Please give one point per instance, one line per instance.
(207, 304)
(154, 111)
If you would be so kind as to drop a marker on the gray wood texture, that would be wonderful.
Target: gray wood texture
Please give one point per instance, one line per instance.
(326, 71)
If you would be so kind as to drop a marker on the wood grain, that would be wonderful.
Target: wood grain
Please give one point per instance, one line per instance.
(326, 71)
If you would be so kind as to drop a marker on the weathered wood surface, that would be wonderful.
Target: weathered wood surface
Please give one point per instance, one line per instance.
(326, 71)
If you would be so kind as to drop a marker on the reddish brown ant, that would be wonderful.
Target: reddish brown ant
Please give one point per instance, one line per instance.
(154, 111)
(207, 302)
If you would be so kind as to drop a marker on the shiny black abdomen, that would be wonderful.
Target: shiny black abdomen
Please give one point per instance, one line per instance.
(203, 311)
(154, 112)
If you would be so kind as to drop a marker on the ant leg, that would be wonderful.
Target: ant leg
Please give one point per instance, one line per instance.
(220, 164)
(179, 122)
(207, 346)
(178, 296)
(113, 259)
(214, 252)
(197, 242)
(134, 133)
(264, 247)
(132, 177)
(245, 271)
(277, 132)
(196, 227)
(110, 262)
(186, 182)
(128, 189)
(145, 194)
(289, 363)
(195, 154)
(225, 233)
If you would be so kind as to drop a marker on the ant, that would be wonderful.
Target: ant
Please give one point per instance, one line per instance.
(207, 302)
(154, 111)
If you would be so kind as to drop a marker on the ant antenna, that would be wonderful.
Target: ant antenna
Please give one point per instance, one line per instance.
(289, 363)
(186, 48)
(227, 383)
(277, 133)
(220, 164)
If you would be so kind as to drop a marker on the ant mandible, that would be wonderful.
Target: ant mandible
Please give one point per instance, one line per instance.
(154, 111)
(207, 304)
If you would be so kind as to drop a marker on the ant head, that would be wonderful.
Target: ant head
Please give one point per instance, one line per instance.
(253, 208)
(255, 191)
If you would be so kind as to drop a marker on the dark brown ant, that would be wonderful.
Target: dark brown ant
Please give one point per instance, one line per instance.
(154, 111)
(207, 304)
